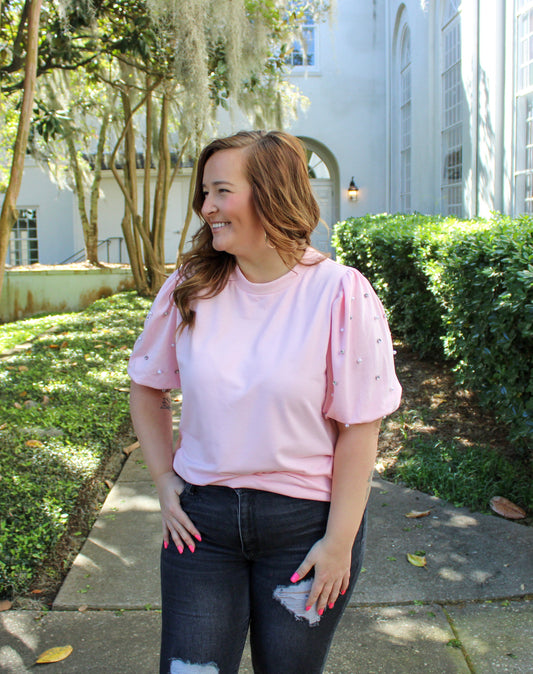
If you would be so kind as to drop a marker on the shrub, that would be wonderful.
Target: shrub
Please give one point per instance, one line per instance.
(458, 289)
(390, 251)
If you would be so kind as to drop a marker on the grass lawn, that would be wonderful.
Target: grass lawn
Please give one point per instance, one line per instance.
(63, 408)
(64, 419)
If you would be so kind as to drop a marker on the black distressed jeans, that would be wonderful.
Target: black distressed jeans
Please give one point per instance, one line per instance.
(239, 578)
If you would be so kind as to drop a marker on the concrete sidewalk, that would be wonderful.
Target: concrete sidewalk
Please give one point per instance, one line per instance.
(469, 610)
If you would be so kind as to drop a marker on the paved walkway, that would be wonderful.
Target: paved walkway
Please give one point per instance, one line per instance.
(469, 610)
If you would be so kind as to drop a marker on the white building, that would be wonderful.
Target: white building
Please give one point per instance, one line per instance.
(427, 104)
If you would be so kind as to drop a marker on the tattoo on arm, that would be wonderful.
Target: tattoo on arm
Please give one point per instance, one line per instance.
(165, 402)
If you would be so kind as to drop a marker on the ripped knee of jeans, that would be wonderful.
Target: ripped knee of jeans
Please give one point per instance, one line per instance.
(182, 667)
(294, 598)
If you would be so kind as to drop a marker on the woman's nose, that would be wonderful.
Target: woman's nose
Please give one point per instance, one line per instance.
(208, 206)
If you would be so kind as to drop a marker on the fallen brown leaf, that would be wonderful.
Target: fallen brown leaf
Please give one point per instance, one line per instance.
(54, 655)
(36, 592)
(108, 483)
(17, 405)
(83, 608)
(2, 426)
(414, 514)
(128, 450)
(33, 443)
(5, 604)
(23, 368)
(502, 506)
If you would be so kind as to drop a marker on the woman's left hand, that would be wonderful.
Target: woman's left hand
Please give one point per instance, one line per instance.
(332, 573)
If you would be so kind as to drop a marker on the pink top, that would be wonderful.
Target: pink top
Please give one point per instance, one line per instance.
(264, 372)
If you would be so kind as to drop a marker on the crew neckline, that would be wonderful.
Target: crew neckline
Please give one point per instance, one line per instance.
(277, 284)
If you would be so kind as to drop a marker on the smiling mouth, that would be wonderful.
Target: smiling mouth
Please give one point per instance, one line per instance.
(218, 225)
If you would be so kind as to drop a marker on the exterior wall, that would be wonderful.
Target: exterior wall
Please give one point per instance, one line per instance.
(483, 98)
(28, 292)
(58, 221)
(55, 213)
(352, 122)
(347, 112)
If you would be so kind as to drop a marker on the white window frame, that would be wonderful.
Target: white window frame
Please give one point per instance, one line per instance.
(23, 248)
(452, 187)
(405, 121)
(309, 31)
(523, 142)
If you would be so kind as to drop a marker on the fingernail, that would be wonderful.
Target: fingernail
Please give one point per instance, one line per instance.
(165, 544)
(198, 537)
(343, 591)
(294, 577)
(180, 549)
(331, 605)
(320, 611)
(307, 608)
(191, 548)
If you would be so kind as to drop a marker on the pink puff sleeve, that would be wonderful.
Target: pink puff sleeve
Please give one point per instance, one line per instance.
(153, 360)
(361, 381)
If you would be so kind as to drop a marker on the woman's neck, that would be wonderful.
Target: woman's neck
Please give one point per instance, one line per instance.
(268, 267)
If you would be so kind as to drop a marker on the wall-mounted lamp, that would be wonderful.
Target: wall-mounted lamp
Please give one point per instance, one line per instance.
(353, 190)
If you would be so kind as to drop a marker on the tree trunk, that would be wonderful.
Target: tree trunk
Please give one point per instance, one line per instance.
(147, 157)
(92, 255)
(162, 186)
(190, 211)
(9, 214)
(90, 235)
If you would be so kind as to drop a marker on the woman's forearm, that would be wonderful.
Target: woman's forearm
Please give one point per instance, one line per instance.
(353, 466)
(151, 413)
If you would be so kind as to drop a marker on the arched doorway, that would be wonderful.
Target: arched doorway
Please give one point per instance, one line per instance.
(323, 173)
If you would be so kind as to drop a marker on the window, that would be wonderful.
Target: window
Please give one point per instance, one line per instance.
(452, 126)
(316, 166)
(304, 54)
(525, 45)
(405, 122)
(23, 248)
(524, 108)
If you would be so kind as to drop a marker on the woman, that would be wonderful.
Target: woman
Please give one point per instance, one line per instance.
(285, 362)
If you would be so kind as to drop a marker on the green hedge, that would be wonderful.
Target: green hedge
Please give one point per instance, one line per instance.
(461, 290)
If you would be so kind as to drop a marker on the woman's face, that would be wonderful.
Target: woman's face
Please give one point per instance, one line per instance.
(228, 206)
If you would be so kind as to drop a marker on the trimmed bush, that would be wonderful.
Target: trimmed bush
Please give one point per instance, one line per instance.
(462, 290)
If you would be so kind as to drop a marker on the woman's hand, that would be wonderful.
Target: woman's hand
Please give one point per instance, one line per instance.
(176, 523)
(332, 573)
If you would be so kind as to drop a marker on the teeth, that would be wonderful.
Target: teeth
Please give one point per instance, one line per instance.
(218, 225)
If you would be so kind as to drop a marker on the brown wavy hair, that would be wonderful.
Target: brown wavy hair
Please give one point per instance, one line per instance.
(276, 169)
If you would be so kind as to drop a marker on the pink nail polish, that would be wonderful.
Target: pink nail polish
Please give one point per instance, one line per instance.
(295, 577)
(343, 591)
(180, 549)
(165, 544)
(320, 611)
(198, 537)
(191, 548)
(331, 605)
(307, 608)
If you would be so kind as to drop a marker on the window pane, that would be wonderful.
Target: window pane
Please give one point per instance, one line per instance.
(23, 246)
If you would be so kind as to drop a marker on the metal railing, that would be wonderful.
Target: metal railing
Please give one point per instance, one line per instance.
(113, 249)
